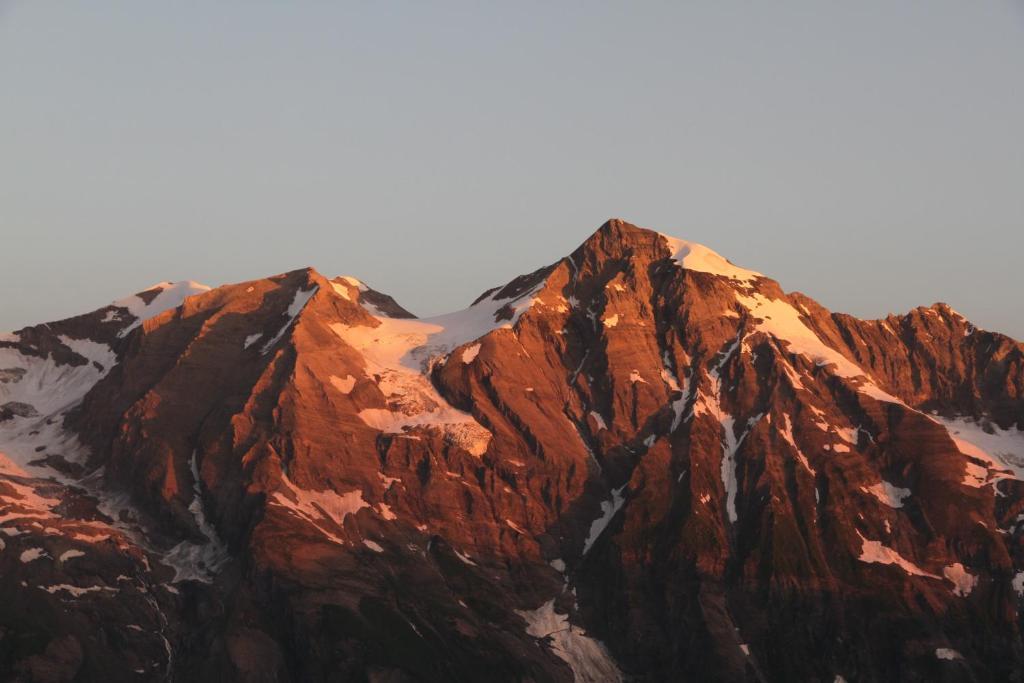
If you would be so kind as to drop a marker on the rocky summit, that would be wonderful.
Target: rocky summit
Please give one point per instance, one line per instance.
(640, 463)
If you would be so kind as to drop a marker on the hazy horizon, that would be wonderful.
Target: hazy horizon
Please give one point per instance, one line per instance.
(869, 155)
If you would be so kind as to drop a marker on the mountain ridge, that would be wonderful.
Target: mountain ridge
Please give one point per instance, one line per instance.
(641, 440)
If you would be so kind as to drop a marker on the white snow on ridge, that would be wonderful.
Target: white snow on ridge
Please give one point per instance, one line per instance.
(172, 295)
(588, 658)
(693, 256)
(1002, 450)
(48, 387)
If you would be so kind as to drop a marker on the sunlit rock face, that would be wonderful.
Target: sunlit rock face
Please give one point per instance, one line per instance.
(642, 462)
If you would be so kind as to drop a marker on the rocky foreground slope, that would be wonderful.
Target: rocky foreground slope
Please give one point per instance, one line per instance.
(639, 463)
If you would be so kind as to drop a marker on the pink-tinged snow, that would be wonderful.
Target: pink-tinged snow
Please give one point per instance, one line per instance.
(470, 353)
(343, 384)
(351, 289)
(341, 290)
(76, 591)
(875, 552)
(693, 256)
(1002, 449)
(172, 295)
(887, 493)
(779, 319)
(299, 302)
(588, 658)
(24, 506)
(947, 653)
(962, 580)
(373, 545)
(398, 352)
(608, 510)
(598, 420)
(70, 554)
(318, 506)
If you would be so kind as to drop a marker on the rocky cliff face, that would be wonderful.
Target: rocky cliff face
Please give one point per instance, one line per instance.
(639, 463)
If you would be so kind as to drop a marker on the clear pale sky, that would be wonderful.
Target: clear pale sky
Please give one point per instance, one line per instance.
(869, 153)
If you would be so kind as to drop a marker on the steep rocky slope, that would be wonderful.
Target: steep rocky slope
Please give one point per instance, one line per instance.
(639, 463)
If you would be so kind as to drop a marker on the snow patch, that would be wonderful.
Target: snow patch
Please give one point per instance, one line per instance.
(299, 302)
(398, 352)
(891, 495)
(787, 433)
(1002, 449)
(344, 385)
(1018, 583)
(31, 555)
(875, 552)
(608, 510)
(588, 658)
(781, 320)
(962, 580)
(470, 353)
(465, 558)
(316, 507)
(172, 295)
(197, 561)
(693, 256)
(76, 591)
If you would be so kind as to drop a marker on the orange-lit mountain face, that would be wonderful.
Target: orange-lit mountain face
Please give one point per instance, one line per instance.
(639, 463)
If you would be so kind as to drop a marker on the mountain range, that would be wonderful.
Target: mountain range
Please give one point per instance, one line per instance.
(639, 463)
